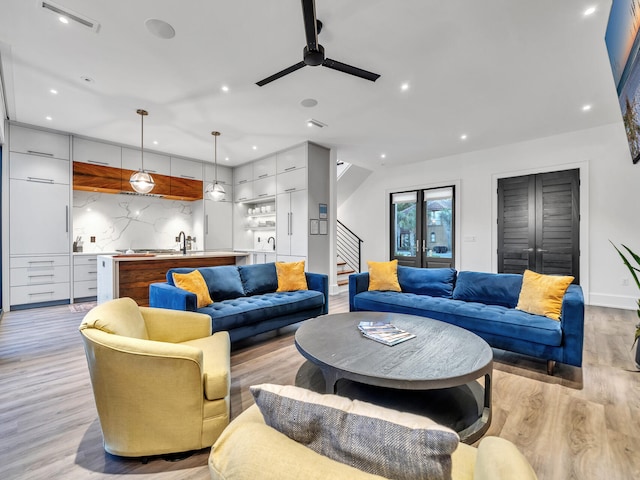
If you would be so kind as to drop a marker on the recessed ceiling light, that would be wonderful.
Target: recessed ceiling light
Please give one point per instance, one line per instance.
(226, 159)
(309, 102)
(404, 86)
(48, 118)
(64, 20)
(589, 11)
(586, 108)
(53, 91)
(155, 142)
(309, 124)
(225, 88)
(159, 28)
(463, 136)
(254, 147)
(383, 155)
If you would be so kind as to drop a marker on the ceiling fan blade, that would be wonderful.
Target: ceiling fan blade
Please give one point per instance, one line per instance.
(343, 67)
(310, 25)
(281, 73)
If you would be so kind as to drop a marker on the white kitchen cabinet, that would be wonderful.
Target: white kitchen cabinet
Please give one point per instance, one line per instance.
(291, 223)
(38, 169)
(243, 192)
(218, 225)
(265, 167)
(264, 257)
(39, 218)
(291, 159)
(85, 276)
(291, 181)
(153, 162)
(225, 174)
(39, 278)
(243, 174)
(183, 168)
(264, 187)
(97, 153)
(38, 142)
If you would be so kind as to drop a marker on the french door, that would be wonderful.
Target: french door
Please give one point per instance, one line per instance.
(422, 228)
(539, 223)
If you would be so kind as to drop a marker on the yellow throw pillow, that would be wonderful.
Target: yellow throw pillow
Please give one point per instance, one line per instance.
(291, 276)
(542, 294)
(384, 276)
(194, 282)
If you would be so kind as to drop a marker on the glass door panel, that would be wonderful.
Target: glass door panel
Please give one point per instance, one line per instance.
(404, 233)
(438, 242)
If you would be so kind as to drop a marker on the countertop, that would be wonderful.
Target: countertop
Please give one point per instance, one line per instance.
(120, 257)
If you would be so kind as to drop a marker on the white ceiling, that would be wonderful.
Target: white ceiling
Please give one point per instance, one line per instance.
(500, 71)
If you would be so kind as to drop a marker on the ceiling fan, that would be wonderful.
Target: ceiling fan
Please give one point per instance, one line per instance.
(313, 53)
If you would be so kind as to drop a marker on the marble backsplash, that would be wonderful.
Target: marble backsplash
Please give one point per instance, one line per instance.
(121, 221)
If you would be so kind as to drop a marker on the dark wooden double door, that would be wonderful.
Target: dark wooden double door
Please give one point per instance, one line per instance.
(539, 223)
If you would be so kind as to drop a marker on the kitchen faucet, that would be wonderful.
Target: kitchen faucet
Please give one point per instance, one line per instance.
(274, 242)
(184, 242)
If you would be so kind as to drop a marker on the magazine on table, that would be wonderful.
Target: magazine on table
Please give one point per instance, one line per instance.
(386, 333)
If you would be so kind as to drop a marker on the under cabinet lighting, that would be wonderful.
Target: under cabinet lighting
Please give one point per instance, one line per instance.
(404, 87)
(64, 20)
(586, 108)
(53, 91)
(589, 11)
(463, 136)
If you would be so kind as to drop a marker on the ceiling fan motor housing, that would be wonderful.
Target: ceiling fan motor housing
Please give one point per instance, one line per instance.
(313, 57)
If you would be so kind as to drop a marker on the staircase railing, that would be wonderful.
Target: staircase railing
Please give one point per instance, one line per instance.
(349, 247)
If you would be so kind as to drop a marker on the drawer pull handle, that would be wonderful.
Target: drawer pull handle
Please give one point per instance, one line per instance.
(242, 181)
(262, 176)
(151, 171)
(290, 189)
(40, 180)
(94, 271)
(188, 176)
(263, 194)
(92, 259)
(106, 164)
(41, 261)
(290, 168)
(92, 288)
(43, 275)
(42, 293)
(35, 152)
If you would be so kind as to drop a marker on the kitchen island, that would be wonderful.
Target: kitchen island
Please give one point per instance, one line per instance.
(129, 275)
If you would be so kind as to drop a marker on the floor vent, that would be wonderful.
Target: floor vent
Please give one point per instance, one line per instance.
(61, 11)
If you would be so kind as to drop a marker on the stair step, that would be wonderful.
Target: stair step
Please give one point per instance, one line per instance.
(343, 282)
(345, 272)
(341, 264)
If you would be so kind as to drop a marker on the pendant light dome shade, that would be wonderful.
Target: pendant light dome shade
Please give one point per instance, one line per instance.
(141, 181)
(215, 191)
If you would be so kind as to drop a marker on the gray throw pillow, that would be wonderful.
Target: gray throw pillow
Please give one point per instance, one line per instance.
(373, 439)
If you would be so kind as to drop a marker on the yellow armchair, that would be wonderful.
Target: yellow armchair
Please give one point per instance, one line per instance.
(160, 380)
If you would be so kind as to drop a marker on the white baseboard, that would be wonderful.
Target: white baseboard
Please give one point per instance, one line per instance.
(613, 301)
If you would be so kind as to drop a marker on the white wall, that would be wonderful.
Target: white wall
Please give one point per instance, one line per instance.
(610, 203)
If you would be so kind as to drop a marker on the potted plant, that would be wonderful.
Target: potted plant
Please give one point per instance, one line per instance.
(634, 269)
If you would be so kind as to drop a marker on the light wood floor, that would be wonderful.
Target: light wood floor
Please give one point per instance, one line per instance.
(581, 424)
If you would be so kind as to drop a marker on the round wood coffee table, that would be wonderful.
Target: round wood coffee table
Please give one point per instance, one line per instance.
(434, 374)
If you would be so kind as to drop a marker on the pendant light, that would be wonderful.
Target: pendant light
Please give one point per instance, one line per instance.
(215, 191)
(141, 181)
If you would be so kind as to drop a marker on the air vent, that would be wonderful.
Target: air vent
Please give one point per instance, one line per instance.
(61, 11)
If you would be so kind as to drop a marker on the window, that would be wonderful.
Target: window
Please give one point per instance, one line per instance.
(422, 227)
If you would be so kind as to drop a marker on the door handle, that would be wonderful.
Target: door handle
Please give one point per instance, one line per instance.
(540, 250)
(66, 218)
(206, 224)
(527, 249)
(424, 245)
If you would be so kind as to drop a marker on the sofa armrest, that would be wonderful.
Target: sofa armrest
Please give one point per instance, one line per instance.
(163, 295)
(499, 459)
(174, 326)
(358, 282)
(320, 283)
(572, 320)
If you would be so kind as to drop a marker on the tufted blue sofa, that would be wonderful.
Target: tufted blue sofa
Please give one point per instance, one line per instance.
(245, 301)
(483, 303)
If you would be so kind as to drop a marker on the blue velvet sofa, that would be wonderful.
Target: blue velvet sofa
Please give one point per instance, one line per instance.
(245, 299)
(483, 303)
